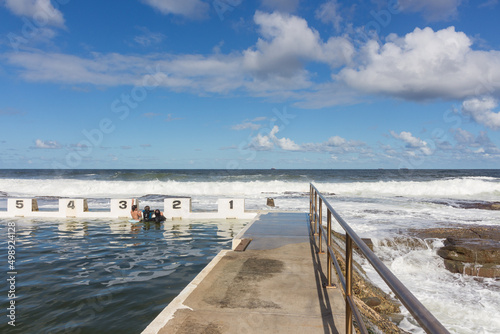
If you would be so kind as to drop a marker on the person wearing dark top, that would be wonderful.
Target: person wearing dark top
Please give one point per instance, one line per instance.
(147, 214)
(159, 217)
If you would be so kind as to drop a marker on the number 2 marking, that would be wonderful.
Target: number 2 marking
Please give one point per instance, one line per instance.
(176, 204)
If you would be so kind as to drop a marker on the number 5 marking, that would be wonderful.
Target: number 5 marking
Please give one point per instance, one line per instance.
(19, 204)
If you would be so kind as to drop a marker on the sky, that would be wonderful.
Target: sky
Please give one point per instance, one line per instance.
(237, 84)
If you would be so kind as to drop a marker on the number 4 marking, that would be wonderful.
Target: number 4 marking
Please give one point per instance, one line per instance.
(71, 204)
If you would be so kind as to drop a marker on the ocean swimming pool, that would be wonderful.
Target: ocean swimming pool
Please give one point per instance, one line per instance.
(96, 276)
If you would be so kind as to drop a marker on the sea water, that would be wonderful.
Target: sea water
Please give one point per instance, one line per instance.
(90, 276)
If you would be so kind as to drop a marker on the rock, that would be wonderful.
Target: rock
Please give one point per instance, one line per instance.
(374, 304)
(470, 250)
(472, 205)
(395, 318)
(372, 301)
(270, 202)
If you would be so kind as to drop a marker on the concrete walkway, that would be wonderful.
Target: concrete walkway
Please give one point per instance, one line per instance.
(274, 286)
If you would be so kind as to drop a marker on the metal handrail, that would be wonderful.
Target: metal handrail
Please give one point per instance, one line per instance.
(428, 322)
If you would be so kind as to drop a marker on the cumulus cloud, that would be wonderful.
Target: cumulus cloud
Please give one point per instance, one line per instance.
(287, 42)
(44, 144)
(335, 144)
(422, 65)
(412, 142)
(426, 64)
(193, 9)
(275, 65)
(269, 141)
(41, 11)
(432, 10)
(481, 111)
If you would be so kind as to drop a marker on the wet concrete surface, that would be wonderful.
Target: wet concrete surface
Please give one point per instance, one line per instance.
(274, 286)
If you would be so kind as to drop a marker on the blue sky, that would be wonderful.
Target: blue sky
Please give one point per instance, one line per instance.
(250, 84)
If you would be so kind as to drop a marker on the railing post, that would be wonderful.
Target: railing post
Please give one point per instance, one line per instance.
(320, 224)
(348, 274)
(310, 203)
(315, 213)
(328, 256)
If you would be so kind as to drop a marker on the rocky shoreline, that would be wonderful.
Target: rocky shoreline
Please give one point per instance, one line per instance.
(470, 250)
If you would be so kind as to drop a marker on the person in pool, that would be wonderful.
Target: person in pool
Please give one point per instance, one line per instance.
(159, 217)
(147, 214)
(135, 213)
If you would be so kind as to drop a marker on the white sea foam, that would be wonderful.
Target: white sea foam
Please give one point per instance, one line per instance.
(480, 188)
(448, 296)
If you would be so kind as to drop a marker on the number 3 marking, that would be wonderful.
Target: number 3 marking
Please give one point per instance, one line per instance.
(123, 204)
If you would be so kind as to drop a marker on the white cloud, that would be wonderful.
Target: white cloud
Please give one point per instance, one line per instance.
(334, 144)
(469, 143)
(481, 110)
(41, 11)
(261, 143)
(287, 42)
(46, 144)
(268, 141)
(426, 64)
(329, 13)
(194, 9)
(148, 38)
(421, 65)
(432, 10)
(413, 142)
(274, 66)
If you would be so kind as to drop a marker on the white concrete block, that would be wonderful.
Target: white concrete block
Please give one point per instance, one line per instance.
(177, 207)
(72, 207)
(121, 207)
(231, 207)
(21, 206)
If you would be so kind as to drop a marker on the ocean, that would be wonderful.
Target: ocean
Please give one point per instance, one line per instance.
(107, 276)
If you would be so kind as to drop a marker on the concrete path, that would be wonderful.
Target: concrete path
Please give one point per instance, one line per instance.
(274, 286)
